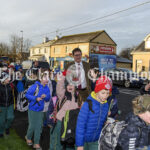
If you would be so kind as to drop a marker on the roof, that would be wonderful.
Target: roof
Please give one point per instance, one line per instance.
(78, 38)
(140, 48)
(47, 44)
(123, 60)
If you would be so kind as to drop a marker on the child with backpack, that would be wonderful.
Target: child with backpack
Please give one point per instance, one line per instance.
(36, 95)
(67, 100)
(136, 133)
(93, 115)
(112, 100)
(6, 104)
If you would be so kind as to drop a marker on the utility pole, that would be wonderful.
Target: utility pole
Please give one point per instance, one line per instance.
(21, 45)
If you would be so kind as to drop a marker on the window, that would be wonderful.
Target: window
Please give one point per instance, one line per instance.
(69, 49)
(39, 50)
(45, 50)
(57, 50)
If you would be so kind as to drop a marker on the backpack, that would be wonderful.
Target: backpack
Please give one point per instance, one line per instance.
(68, 127)
(22, 101)
(110, 133)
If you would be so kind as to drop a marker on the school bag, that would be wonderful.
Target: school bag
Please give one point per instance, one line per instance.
(110, 134)
(22, 101)
(68, 125)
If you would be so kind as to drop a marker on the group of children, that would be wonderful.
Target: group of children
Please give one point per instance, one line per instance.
(92, 117)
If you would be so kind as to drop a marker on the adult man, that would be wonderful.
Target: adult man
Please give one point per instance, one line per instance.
(81, 68)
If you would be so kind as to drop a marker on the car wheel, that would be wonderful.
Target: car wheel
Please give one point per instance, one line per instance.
(127, 84)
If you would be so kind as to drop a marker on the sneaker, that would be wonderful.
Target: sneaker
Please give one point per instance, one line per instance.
(37, 147)
(7, 131)
(1, 135)
(29, 142)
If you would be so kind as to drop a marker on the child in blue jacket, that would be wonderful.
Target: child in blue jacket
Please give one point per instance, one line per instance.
(90, 123)
(36, 95)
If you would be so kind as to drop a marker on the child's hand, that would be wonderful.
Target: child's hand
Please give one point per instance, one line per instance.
(39, 99)
(109, 113)
(80, 148)
(43, 96)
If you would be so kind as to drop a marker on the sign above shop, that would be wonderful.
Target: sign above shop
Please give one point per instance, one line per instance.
(103, 49)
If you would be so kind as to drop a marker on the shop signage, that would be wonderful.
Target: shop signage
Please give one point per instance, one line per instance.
(103, 49)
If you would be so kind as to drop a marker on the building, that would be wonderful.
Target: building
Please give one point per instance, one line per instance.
(141, 56)
(98, 42)
(123, 63)
(41, 52)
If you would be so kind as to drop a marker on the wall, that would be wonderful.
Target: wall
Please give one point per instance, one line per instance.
(42, 52)
(144, 57)
(65, 50)
(124, 65)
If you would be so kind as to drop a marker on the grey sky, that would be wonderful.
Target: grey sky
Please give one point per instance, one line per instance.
(39, 17)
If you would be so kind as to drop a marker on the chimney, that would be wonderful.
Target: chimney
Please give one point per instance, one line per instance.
(57, 37)
(45, 40)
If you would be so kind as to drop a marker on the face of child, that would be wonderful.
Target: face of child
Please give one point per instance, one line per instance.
(70, 88)
(146, 117)
(44, 80)
(103, 95)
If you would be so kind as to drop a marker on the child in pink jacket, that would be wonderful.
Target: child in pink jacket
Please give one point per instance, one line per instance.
(67, 100)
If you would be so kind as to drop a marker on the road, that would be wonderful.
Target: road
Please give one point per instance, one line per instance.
(124, 103)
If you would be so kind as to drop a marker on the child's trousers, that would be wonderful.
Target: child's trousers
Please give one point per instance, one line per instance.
(55, 138)
(6, 117)
(35, 125)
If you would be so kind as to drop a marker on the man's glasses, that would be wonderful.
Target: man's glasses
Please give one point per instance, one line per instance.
(77, 55)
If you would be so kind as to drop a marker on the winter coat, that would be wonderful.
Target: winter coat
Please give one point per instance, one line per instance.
(6, 95)
(69, 104)
(135, 134)
(89, 124)
(20, 85)
(30, 95)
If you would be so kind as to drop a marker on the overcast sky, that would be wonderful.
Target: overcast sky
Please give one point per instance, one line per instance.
(38, 18)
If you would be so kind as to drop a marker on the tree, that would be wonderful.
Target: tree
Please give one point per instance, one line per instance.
(16, 46)
(125, 53)
(4, 49)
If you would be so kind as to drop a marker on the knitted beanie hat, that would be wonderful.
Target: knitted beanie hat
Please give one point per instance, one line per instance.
(102, 83)
(141, 104)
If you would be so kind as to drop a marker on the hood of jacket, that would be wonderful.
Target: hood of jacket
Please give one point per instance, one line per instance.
(92, 97)
(136, 120)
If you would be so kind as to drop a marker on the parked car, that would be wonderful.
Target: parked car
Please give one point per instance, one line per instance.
(125, 77)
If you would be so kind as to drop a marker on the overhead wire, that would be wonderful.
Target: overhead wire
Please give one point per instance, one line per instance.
(93, 20)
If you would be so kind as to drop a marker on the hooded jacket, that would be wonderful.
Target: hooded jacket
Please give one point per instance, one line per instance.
(30, 95)
(135, 134)
(6, 95)
(89, 124)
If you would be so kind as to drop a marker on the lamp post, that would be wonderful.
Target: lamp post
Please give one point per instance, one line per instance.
(21, 45)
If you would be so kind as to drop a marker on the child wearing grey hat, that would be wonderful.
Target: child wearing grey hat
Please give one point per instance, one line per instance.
(136, 133)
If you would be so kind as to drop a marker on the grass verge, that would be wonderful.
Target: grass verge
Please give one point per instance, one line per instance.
(13, 142)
